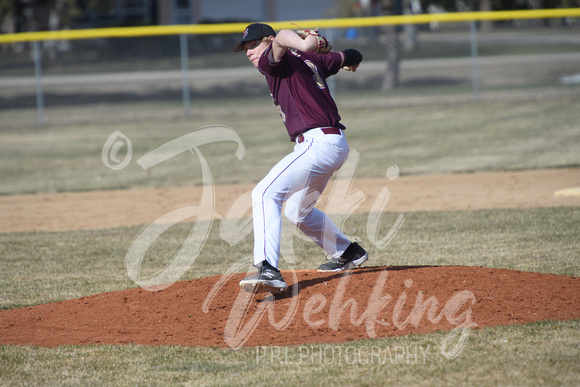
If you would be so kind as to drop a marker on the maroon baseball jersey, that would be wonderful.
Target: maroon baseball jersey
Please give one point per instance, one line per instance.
(298, 87)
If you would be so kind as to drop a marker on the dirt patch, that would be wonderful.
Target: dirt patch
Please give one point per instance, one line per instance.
(105, 209)
(321, 308)
(318, 307)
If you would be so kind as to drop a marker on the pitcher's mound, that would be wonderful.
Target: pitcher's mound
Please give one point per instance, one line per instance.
(317, 308)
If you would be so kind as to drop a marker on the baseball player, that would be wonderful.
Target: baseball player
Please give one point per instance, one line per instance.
(296, 65)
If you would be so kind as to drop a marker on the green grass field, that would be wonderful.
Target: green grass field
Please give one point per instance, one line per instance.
(41, 267)
(426, 139)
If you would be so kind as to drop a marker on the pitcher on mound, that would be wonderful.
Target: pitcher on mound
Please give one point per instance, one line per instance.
(296, 65)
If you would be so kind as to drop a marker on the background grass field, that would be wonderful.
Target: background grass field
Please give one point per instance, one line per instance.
(425, 139)
(41, 267)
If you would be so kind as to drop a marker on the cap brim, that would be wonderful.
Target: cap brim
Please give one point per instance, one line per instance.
(239, 46)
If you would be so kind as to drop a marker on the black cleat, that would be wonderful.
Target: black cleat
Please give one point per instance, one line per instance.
(267, 279)
(354, 255)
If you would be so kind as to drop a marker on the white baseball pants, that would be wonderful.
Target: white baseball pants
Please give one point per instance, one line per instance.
(299, 179)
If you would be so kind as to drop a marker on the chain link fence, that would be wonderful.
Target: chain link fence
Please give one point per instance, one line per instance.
(56, 82)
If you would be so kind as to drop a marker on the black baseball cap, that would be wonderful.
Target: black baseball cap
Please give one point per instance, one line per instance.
(254, 32)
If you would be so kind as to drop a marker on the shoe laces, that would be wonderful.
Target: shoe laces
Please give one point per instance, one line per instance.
(334, 260)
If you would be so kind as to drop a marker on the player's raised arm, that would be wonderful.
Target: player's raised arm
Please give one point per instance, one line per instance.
(286, 39)
(302, 40)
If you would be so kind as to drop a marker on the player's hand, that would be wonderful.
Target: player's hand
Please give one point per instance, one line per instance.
(350, 68)
(322, 45)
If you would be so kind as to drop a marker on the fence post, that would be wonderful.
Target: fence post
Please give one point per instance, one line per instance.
(184, 51)
(38, 79)
(474, 61)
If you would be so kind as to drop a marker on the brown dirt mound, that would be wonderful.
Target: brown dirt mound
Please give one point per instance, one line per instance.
(321, 308)
(371, 302)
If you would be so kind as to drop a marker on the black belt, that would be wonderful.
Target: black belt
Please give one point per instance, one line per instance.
(300, 137)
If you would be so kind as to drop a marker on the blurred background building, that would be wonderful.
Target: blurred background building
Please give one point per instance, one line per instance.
(41, 15)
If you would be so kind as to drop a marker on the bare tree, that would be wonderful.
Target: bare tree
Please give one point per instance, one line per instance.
(393, 45)
(485, 6)
(393, 48)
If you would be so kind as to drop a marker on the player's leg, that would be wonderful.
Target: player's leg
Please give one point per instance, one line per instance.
(267, 199)
(314, 223)
(318, 227)
(331, 153)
